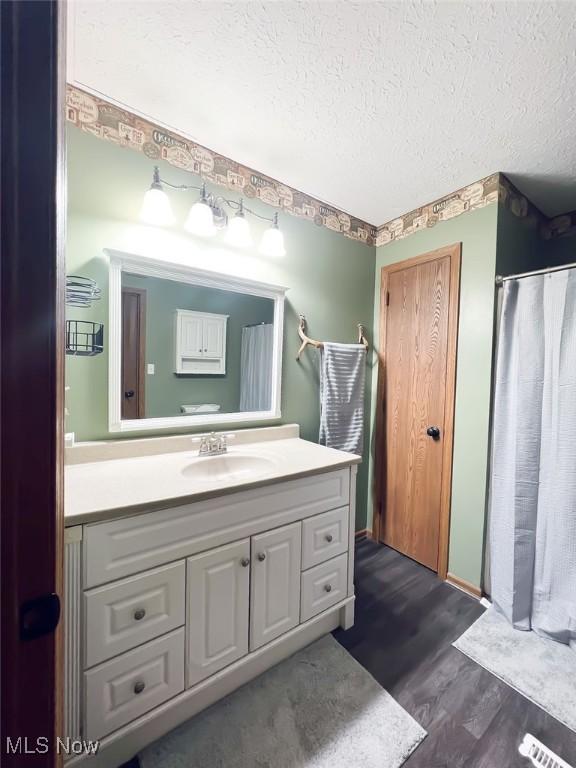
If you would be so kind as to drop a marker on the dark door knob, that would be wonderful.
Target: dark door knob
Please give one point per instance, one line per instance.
(129, 393)
(433, 432)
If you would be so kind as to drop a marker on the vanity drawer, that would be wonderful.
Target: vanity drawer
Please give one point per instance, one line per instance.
(323, 586)
(128, 613)
(126, 687)
(324, 536)
(123, 547)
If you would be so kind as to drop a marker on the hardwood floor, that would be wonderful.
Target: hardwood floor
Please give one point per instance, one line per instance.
(406, 620)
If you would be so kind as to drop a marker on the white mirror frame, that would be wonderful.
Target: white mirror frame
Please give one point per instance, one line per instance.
(143, 265)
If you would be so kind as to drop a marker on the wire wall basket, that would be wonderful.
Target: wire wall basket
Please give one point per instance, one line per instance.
(84, 338)
(81, 291)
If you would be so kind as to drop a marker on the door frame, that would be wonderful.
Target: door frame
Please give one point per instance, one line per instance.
(32, 278)
(141, 292)
(454, 252)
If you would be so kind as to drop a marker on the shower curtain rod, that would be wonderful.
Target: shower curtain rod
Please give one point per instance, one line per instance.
(500, 279)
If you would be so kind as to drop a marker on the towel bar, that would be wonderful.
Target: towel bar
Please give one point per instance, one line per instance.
(306, 340)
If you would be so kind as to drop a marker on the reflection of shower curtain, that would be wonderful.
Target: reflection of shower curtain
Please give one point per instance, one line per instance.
(533, 476)
(256, 368)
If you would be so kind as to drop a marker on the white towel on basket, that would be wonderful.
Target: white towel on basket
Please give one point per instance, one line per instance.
(342, 378)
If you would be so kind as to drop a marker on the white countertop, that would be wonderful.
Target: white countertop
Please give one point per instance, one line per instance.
(106, 488)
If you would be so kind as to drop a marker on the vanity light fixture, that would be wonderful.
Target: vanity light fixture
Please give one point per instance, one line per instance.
(238, 232)
(272, 243)
(156, 208)
(200, 220)
(207, 216)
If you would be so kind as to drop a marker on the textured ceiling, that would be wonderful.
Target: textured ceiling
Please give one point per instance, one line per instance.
(375, 107)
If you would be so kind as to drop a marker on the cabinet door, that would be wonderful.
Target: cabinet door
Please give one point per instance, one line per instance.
(218, 603)
(214, 339)
(190, 335)
(275, 588)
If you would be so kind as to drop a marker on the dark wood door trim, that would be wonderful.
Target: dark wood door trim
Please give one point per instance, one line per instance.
(454, 253)
(141, 349)
(32, 277)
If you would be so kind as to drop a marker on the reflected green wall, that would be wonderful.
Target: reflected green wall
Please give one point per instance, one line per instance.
(330, 279)
(477, 231)
(166, 391)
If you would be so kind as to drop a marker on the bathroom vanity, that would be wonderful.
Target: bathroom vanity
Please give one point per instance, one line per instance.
(187, 576)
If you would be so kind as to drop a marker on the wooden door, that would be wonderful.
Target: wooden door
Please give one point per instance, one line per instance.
(275, 588)
(133, 352)
(218, 609)
(33, 228)
(416, 403)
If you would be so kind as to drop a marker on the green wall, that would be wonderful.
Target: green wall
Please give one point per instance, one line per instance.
(330, 279)
(477, 231)
(520, 247)
(165, 391)
(561, 250)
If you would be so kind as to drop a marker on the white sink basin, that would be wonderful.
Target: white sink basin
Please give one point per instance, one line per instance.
(229, 466)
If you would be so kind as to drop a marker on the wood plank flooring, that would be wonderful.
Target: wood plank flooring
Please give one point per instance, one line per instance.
(406, 620)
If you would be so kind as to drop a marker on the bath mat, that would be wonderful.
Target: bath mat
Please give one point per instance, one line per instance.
(317, 709)
(541, 670)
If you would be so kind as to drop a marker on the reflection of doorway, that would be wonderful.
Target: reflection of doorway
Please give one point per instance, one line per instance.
(418, 331)
(133, 352)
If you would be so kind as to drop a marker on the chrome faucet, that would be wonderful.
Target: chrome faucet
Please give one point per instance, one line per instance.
(212, 444)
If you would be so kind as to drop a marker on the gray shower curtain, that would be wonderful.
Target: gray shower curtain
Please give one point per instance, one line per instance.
(533, 472)
(256, 367)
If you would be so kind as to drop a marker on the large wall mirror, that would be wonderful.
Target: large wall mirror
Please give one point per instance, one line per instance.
(190, 347)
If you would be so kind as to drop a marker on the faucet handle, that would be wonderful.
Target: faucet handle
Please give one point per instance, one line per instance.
(203, 440)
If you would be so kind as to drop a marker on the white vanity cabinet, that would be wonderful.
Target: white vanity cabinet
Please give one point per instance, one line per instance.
(200, 342)
(177, 607)
(276, 565)
(218, 608)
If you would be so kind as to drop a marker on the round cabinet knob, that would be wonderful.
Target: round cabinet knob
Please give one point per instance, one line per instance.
(139, 614)
(328, 537)
(245, 562)
(433, 432)
(129, 393)
(327, 587)
(261, 556)
(139, 686)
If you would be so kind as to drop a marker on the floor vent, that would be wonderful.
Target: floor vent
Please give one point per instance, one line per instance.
(541, 756)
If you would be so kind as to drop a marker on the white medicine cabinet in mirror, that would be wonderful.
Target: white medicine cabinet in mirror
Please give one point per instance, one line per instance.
(189, 347)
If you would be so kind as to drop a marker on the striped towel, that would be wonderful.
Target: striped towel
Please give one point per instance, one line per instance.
(342, 377)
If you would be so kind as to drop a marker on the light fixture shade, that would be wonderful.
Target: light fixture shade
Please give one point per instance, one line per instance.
(200, 220)
(238, 233)
(156, 208)
(272, 243)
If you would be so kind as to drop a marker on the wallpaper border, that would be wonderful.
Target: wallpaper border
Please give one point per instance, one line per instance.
(496, 188)
(93, 114)
(99, 117)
